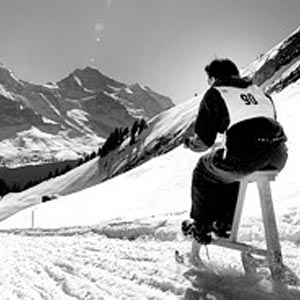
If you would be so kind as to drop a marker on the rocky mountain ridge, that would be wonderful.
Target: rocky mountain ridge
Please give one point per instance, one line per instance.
(74, 114)
(279, 64)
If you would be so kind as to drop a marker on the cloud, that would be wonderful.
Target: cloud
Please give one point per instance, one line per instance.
(108, 3)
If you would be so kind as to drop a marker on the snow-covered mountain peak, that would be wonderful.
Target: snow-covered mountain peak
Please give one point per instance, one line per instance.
(138, 86)
(88, 80)
(86, 102)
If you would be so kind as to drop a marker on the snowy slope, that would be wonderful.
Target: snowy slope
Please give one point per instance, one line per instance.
(116, 240)
(169, 125)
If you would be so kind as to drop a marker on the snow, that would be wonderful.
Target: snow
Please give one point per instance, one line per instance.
(116, 240)
(16, 78)
(293, 68)
(51, 85)
(130, 107)
(128, 90)
(173, 121)
(5, 93)
(18, 149)
(50, 104)
(77, 80)
(48, 121)
(138, 113)
(78, 115)
(86, 266)
(114, 88)
(89, 91)
(142, 87)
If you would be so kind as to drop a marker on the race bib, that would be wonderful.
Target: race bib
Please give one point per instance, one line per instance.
(243, 104)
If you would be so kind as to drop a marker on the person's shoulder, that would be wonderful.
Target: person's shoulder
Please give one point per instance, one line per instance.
(236, 82)
(212, 93)
(212, 99)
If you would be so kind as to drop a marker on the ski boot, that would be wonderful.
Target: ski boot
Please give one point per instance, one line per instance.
(200, 232)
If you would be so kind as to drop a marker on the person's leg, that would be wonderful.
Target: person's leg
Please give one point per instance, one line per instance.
(228, 194)
(214, 195)
(204, 193)
(214, 190)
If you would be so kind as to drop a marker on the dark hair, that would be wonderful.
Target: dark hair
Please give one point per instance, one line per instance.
(222, 69)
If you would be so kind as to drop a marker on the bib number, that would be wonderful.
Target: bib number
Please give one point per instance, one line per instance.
(249, 99)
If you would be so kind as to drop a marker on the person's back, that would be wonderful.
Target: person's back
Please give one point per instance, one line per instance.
(239, 110)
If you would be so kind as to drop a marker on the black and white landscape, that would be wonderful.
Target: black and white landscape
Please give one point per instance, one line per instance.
(115, 239)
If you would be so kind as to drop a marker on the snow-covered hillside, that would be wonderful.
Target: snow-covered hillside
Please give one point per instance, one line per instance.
(116, 240)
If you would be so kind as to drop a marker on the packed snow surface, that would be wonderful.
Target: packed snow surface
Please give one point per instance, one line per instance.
(116, 240)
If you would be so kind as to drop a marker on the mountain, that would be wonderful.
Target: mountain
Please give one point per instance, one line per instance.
(64, 119)
(277, 65)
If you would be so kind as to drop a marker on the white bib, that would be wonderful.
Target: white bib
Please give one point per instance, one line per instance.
(248, 103)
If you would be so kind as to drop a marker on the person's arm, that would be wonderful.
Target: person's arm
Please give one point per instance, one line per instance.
(195, 144)
(212, 118)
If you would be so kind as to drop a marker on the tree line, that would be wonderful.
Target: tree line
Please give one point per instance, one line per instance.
(119, 135)
(114, 140)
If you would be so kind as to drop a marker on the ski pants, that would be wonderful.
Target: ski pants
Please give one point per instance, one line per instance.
(214, 183)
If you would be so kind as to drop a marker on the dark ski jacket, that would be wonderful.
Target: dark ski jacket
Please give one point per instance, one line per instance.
(213, 118)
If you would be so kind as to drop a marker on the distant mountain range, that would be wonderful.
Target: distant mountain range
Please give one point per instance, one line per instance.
(64, 119)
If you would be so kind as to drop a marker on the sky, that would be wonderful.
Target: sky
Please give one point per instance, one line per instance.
(163, 44)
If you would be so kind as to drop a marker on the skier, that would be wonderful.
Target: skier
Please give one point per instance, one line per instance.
(253, 140)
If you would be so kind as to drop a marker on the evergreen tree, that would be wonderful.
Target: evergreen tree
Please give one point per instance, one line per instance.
(15, 188)
(67, 169)
(28, 185)
(125, 132)
(56, 173)
(50, 175)
(4, 189)
(142, 125)
(134, 130)
(93, 155)
(80, 161)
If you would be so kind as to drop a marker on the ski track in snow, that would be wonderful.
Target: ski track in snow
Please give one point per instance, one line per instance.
(124, 260)
(89, 266)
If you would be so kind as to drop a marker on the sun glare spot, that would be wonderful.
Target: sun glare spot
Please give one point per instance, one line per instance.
(99, 27)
